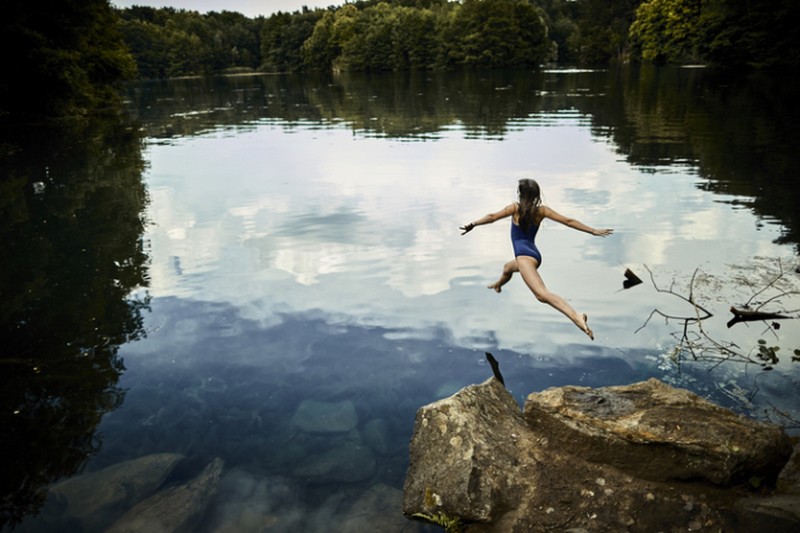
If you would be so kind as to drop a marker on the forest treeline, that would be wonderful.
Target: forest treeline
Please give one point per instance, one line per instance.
(380, 35)
(69, 56)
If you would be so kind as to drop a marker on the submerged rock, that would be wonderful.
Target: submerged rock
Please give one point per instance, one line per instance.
(376, 434)
(777, 514)
(349, 462)
(94, 497)
(375, 510)
(248, 502)
(176, 509)
(325, 417)
(476, 458)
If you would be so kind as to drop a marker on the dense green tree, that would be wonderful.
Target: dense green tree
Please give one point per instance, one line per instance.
(236, 40)
(331, 35)
(496, 33)
(379, 35)
(320, 49)
(755, 34)
(168, 42)
(282, 38)
(602, 30)
(415, 39)
(560, 17)
(666, 31)
(182, 56)
(63, 57)
(392, 36)
(719, 32)
(148, 44)
(370, 46)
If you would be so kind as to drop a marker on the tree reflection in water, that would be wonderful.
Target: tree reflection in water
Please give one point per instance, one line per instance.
(71, 222)
(654, 117)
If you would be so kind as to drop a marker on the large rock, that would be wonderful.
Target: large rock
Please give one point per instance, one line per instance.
(476, 458)
(463, 449)
(176, 509)
(659, 432)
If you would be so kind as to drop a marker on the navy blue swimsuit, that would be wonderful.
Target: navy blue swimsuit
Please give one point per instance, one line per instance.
(524, 243)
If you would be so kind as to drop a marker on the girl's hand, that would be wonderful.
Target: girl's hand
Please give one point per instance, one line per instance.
(467, 228)
(602, 232)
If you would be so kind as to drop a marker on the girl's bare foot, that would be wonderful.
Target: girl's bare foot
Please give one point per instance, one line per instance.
(497, 286)
(586, 328)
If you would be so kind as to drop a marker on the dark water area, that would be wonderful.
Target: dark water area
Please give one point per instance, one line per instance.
(268, 270)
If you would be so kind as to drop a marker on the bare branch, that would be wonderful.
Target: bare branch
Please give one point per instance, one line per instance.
(694, 341)
(770, 284)
(689, 300)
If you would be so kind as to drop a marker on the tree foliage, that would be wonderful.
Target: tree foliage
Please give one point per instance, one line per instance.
(63, 57)
(381, 35)
(602, 30)
(719, 32)
(507, 33)
(170, 43)
(69, 56)
(375, 36)
(282, 38)
(666, 31)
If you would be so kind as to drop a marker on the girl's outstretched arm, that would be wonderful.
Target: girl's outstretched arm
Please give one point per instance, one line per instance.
(574, 223)
(507, 211)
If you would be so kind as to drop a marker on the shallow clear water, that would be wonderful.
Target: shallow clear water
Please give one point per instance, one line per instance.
(309, 288)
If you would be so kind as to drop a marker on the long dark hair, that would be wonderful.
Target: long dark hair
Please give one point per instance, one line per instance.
(530, 198)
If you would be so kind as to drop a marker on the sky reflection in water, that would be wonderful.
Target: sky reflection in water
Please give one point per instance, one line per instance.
(367, 228)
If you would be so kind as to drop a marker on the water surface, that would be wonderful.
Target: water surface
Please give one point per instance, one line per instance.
(306, 286)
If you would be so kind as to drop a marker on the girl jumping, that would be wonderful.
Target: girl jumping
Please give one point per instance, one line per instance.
(527, 216)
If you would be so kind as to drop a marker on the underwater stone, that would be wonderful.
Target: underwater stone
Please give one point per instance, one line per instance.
(176, 509)
(94, 495)
(247, 502)
(376, 434)
(349, 462)
(376, 510)
(776, 514)
(325, 417)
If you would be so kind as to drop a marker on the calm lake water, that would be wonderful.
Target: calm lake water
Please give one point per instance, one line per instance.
(268, 270)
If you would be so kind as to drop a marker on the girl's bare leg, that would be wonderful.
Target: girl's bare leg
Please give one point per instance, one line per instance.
(528, 268)
(508, 271)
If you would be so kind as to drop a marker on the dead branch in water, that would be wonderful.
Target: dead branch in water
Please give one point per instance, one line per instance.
(695, 341)
(690, 300)
(746, 315)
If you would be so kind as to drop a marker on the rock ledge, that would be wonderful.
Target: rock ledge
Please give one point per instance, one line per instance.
(643, 457)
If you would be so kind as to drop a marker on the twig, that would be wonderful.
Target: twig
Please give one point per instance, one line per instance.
(689, 300)
(692, 340)
(794, 422)
(770, 284)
